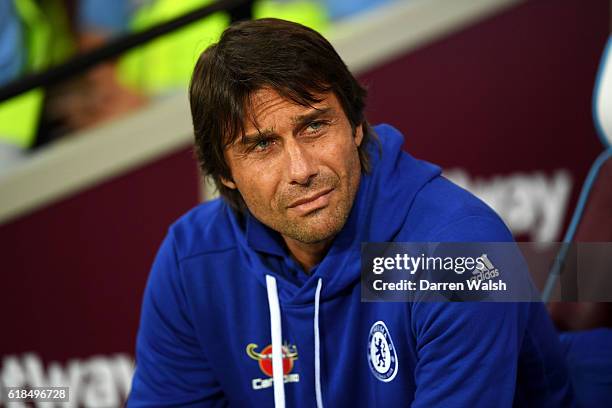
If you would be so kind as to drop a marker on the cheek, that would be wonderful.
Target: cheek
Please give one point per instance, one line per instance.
(351, 168)
(337, 148)
(346, 159)
(257, 190)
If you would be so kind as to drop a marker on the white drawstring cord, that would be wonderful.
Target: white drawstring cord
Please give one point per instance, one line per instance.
(317, 346)
(277, 350)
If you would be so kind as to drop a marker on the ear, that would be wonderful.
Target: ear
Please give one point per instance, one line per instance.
(359, 135)
(228, 183)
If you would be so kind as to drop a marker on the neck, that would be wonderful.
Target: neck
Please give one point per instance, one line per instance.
(307, 255)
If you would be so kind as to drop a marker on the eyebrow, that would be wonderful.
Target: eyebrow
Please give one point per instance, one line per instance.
(302, 120)
(298, 121)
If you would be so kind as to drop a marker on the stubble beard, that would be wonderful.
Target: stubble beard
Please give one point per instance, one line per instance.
(319, 225)
(324, 223)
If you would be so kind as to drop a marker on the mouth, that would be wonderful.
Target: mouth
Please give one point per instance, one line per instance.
(312, 202)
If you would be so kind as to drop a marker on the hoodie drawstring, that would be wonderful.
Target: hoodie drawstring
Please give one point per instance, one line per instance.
(277, 350)
(317, 346)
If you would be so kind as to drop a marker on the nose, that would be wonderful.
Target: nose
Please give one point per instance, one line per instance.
(301, 164)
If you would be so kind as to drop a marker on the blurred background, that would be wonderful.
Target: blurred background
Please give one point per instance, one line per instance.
(96, 153)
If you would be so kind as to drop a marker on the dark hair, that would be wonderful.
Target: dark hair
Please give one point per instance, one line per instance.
(294, 60)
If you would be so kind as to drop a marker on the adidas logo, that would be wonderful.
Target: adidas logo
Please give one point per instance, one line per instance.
(485, 270)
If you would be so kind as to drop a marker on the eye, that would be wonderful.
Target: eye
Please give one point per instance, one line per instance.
(316, 126)
(262, 145)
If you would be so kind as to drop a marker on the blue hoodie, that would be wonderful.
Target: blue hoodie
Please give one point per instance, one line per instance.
(223, 289)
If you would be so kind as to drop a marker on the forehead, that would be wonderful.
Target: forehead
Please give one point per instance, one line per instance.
(267, 106)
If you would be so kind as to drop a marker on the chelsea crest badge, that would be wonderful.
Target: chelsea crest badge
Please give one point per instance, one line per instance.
(382, 356)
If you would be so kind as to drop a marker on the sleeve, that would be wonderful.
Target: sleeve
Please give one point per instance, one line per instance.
(171, 368)
(467, 352)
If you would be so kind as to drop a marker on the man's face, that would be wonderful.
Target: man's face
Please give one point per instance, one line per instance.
(300, 172)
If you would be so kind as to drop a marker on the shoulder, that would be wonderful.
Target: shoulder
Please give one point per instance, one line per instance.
(204, 229)
(443, 211)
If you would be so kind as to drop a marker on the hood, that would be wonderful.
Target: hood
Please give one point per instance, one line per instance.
(381, 206)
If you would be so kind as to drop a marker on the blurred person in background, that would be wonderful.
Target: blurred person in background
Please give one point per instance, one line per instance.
(10, 67)
(31, 39)
(39, 34)
(99, 94)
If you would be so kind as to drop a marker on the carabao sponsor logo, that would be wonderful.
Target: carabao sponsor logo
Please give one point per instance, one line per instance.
(264, 358)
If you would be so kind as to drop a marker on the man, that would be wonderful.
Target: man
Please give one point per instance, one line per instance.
(254, 300)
